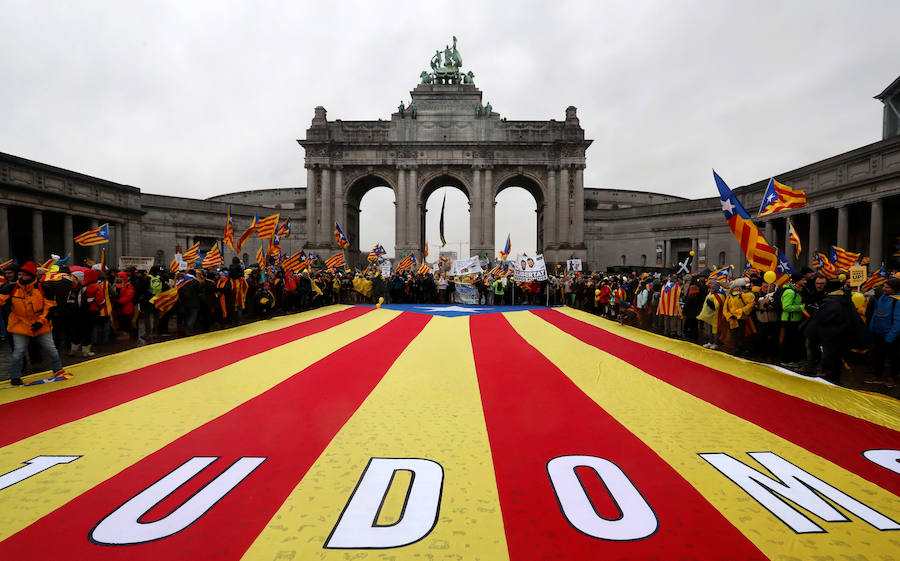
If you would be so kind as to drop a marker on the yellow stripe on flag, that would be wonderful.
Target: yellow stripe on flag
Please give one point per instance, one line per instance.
(682, 426)
(443, 400)
(875, 408)
(106, 441)
(132, 359)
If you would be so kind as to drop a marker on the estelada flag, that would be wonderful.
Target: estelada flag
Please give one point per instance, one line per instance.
(247, 234)
(878, 278)
(213, 257)
(621, 445)
(192, 253)
(423, 269)
(261, 256)
(266, 227)
(842, 258)
(285, 229)
(95, 236)
(335, 261)
(824, 266)
(794, 238)
(504, 253)
(669, 300)
(228, 236)
(759, 253)
(342, 240)
(173, 266)
(779, 196)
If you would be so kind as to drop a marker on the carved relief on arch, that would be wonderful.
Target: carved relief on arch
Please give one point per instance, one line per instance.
(539, 181)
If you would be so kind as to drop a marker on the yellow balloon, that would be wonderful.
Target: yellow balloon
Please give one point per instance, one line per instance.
(597, 292)
(858, 299)
(842, 277)
(692, 254)
(381, 299)
(769, 276)
(378, 305)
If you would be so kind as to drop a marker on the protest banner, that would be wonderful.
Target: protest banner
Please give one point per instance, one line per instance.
(530, 268)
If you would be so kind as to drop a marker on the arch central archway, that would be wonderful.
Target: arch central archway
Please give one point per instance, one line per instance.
(430, 186)
(364, 230)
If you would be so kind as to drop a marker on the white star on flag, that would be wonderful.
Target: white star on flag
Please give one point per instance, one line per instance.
(727, 206)
(455, 309)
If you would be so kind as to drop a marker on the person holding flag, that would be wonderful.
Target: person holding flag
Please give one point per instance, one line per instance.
(760, 255)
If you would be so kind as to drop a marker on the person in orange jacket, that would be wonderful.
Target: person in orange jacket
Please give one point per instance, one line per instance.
(28, 320)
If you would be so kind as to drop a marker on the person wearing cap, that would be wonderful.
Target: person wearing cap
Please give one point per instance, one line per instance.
(28, 320)
(885, 330)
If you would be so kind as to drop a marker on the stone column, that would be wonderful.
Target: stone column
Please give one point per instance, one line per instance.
(311, 229)
(576, 232)
(487, 195)
(5, 250)
(876, 234)
(476, 211)
(339, 202)
(770, 231)
(667, 254)
(327, 224)
(695, 260)
(550, 211)
(563, 225)
(400, 211)
(843, 228)
(812, 242)
(37, 235)
(415, 212)
(68, 237)
(115, 242)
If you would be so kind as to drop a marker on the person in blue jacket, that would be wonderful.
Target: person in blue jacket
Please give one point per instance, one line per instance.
(885, 328)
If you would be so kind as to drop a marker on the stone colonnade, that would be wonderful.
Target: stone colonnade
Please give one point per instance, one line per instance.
(562, 207)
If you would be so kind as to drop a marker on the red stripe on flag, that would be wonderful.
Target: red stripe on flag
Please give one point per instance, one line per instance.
(46, 411)
(290, 425)
(835, 436)
(535, 413)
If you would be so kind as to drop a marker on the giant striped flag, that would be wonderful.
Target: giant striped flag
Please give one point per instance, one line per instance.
(537, 434)
(267, 226)
(780, 197)
(759, 253)
(843, 259)
(95, 236)
(335, 261)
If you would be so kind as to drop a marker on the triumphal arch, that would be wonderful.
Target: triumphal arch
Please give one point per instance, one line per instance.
(447, 136)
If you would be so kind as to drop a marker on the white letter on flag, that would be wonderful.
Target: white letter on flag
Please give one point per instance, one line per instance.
(122, 526)
(356, 527)
(801, 488)
(637, 520)
(888, 459)
(34, 466)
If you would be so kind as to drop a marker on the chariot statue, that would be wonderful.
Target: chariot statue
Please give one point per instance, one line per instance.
(445, 70)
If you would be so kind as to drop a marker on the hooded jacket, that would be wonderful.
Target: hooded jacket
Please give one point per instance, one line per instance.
(29, 305)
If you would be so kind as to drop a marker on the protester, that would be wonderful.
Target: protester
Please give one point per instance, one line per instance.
(885, 329)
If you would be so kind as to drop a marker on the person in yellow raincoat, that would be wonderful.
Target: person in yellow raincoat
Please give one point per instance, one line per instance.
(738, 312)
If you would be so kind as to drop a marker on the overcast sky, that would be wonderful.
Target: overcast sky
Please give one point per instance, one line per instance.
(202, 98)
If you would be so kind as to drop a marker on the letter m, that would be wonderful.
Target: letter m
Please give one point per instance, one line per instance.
(797, 487)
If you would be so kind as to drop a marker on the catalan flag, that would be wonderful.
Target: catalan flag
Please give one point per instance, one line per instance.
(795, 239)
(842, 258)
(274, 246)
(48, 263)
(783, 270)
(285, 229)
(759, 253)
(342, 240)
(293, 262)
(373, 255)
(824, 266)
(192, 253)
(261, 256)
(267, 226)
(166, 300)
(669, 300)
(213, 257)
(279, 439)
(878, 278)
(173, 266)
(441, 221)
(407, 262)
(423, 269)
(722, 274)
(228, 236)
(780, 197)
(247, 234)
(335, 261)
(504, 253)
(7, 262)
(97, 236)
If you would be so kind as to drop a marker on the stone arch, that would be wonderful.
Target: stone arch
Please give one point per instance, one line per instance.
(535, 186)
(431, 183)
(353, 192)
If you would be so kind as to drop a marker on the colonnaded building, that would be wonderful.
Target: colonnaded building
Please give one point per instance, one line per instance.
(448, 136)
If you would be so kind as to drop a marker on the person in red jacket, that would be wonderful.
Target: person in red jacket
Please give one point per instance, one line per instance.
(28, 320)
(124, 308)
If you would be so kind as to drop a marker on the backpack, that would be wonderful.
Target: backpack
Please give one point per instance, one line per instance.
(155, 284)
(776, 301)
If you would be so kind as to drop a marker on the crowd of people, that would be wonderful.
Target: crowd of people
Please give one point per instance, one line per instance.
(811, 324)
